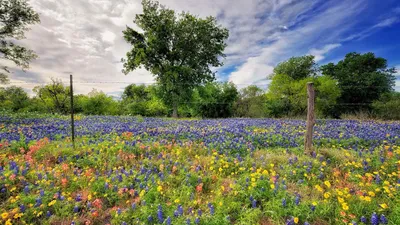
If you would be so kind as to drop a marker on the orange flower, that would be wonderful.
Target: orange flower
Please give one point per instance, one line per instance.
(64, 182)
(199, 188)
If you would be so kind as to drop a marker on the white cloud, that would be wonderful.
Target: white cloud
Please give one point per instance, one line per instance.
(85, 37)
(295, 41)
(320, 53)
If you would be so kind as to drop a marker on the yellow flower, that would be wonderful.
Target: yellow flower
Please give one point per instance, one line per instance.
(319, 188)
(159, 188)
(89, 197)
(327, 195)
(314, 203)
(4, 215)
(367, 198)
(296, 220)
(52, 203)
(340, 200)
(8, 222)
(328, 184)
(371, 193)
(345, 207)
(384, 206)
(177, 200)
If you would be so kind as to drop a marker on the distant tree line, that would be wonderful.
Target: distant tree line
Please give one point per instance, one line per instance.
(360, 83)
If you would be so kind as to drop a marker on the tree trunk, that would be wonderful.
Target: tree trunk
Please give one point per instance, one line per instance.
(175, 109)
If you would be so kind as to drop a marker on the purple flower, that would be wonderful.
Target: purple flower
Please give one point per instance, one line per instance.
(383, 219)
(160, 214)
(363, 219)
(297, 200)
(197, 221)
(284, 202)
(254, 203)
(168, 220)
(76, 209)
(374, 219)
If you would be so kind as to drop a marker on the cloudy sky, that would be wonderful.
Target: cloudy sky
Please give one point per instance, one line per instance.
(83, 37)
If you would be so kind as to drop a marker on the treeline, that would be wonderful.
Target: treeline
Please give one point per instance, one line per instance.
(360, 83)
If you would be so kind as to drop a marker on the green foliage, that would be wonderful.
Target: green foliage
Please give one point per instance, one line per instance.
(15, 16)
(177, 49)
(54, 96)
(13, 98)
(297, 68)
(388, 106)
(143, 100)
(251, 102)
(98, 103)
(288, 97)
(215, 100)
(362, 79)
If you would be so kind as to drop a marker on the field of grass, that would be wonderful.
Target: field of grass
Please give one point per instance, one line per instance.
(127, 170)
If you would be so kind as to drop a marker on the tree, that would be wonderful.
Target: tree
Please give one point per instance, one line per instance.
(15, 16)
(98, 103)
(55, 96)
(251, 102)
(13, 98)
(288, 97)
(177, 49)
(362, 79)
(215, 100)
(297, 68)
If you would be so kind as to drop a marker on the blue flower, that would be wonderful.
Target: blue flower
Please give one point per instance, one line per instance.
(374, 219)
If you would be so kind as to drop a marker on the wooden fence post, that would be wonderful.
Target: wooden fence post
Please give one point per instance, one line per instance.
(310, 119)
(71, 91)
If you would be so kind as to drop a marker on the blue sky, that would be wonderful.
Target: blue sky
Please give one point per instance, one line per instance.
(84, 37)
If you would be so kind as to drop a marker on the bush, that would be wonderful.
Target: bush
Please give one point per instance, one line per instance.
(388, 107)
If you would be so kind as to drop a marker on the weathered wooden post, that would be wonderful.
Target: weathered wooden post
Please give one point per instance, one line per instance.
(310, 119)
(71, 91)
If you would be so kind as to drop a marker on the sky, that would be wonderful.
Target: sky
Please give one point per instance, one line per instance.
(84, 38)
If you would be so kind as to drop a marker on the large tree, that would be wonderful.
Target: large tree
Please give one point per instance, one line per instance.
(178, 49)
(362, 78)
(15, 16)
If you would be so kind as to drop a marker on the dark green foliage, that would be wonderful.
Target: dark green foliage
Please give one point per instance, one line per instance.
(388, 106)
(15, 16)
(177, 49)
(13, 98)
(362, 79)
(143, 100)
(215, 100)
(251, 103)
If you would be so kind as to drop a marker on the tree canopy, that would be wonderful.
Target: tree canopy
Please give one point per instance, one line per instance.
(297, 67)
(178, 49)
(15, 16)
(362, 79)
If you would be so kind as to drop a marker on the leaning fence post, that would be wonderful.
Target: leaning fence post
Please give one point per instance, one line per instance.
(310, 119)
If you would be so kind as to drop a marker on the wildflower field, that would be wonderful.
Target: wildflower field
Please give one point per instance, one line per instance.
(127, 170)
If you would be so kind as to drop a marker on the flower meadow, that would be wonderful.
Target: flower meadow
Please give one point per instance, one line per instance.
(127, 170)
